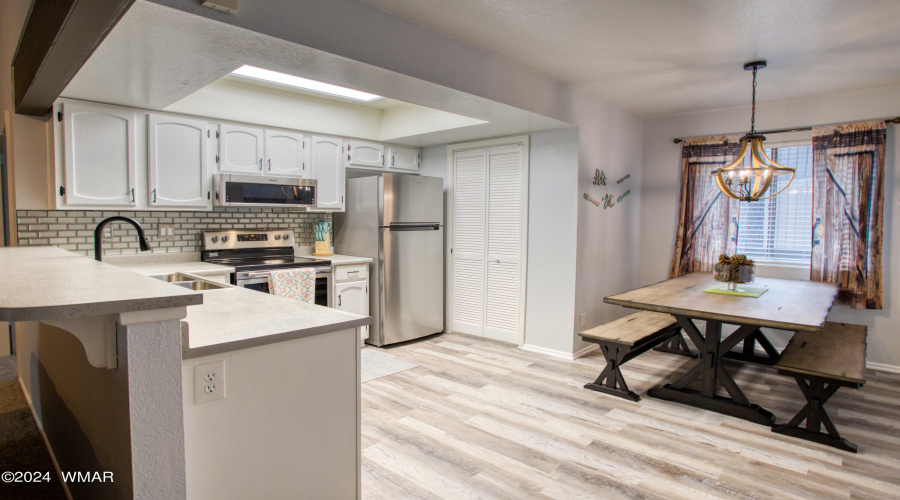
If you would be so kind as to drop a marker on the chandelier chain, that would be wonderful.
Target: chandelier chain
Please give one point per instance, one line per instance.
(753, 113)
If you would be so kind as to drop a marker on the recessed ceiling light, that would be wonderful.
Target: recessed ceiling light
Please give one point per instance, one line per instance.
(303, 83)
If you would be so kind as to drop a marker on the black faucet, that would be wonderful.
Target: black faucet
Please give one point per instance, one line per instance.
(98, 235)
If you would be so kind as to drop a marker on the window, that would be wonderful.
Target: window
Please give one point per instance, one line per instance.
(779, 229)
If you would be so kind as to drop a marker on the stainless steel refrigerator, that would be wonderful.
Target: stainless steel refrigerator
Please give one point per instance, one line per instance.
(398, 221)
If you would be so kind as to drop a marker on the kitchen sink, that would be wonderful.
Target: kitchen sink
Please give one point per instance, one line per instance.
(200, 285)
(174, 277)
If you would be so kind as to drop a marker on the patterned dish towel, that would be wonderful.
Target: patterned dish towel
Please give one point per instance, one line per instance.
(294, 284)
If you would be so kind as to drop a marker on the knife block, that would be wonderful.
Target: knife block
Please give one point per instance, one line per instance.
(323, 248)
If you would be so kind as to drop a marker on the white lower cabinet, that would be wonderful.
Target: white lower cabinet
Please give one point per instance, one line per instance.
(351, 292)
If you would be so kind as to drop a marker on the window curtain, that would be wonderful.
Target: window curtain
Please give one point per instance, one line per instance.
(707, 218)
(848, 210)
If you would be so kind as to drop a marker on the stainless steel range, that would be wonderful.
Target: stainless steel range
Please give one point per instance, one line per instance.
(256, 253)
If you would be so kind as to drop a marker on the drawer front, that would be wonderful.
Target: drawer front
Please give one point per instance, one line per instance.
(356, 272)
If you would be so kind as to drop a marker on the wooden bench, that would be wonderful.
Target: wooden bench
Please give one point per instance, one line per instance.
(626, 338)
(822, 363)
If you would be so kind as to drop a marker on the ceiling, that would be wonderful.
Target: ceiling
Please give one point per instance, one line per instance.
(659, 57)
(142, 63)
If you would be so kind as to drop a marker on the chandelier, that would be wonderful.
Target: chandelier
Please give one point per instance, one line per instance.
(749, 179)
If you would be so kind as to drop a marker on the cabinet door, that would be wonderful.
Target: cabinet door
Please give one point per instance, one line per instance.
(287, 154)
(240, 149)
(400, 158)
(353, 297)
(177, 157)
(365, 154)
(328, 170)
(99, 146)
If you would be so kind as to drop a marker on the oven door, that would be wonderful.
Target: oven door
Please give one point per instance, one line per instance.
(259, 281)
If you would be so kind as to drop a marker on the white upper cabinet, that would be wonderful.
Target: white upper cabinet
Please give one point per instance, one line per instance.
(177, 162)
(401, 158)
(240, 149)
(99, 156)
(328, 170)
(287, 154)
(364, 154)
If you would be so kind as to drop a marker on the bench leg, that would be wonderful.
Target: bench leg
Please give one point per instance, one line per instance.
(817, 392)
(676, 345)
(611, 381)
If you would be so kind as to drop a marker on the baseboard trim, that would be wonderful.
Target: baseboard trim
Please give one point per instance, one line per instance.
(40, 429)
(558, 354)
(883, 367)
(584, 350)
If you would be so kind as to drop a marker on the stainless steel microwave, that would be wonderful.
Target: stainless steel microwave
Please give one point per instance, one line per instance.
(263, 191)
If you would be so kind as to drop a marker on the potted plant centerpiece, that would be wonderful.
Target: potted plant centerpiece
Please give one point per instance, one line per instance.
(733, 270)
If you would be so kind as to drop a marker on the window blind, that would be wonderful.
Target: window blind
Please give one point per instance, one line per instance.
(779, 229)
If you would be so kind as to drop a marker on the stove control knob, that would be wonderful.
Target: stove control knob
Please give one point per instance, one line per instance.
(287, 236)
(277, 236)
(215, 239)
(224, 239)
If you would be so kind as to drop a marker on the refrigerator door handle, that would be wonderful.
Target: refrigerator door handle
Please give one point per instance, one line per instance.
(413, 227)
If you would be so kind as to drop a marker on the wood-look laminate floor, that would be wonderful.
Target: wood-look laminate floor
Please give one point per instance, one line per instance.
(482, 419)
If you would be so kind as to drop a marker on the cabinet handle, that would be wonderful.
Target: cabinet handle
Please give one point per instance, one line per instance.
(392, 161)
(270, 164)
(348, 157)
(260, 164)
(154, 196)
(339, 300)
(132, 195)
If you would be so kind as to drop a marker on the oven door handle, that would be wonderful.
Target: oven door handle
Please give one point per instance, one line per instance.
(263, 274)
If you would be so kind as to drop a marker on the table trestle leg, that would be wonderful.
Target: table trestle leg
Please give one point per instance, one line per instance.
(711, 372)
(817, 392)
(748, 352)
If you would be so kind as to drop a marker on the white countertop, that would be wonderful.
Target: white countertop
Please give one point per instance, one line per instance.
(336, 259)
(198, 268)
(235, 318)
(43, 283)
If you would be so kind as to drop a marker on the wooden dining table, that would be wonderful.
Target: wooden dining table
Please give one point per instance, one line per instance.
(791, 305)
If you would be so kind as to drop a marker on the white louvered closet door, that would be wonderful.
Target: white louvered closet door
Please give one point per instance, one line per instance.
(487, 242)
(470, 179)
(504, 242)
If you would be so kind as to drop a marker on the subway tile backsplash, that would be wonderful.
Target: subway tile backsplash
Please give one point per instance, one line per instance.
(74, 229)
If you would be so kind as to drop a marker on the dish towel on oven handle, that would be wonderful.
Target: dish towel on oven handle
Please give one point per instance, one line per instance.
(295, 284)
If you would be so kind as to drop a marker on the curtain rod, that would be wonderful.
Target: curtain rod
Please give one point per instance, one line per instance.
(895, 119)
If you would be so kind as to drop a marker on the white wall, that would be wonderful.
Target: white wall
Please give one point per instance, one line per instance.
(288, 426)
(661, 170)
(408, 120)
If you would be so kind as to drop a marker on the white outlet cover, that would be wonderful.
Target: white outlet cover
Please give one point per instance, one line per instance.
(209, 382)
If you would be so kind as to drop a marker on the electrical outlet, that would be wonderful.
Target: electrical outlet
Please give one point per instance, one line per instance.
(107, 232)
(583, 319)
(165, 231)
(209, 382)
